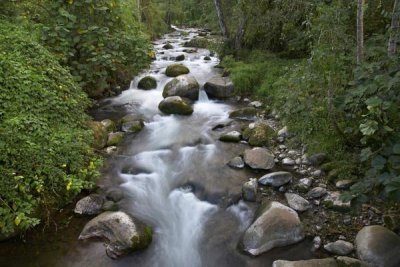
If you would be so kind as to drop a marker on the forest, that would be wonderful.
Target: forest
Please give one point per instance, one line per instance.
(328, 69)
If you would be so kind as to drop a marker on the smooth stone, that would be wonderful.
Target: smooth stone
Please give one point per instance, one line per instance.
(328, 262)
(184, 86)
(219, 87)
(233, 137)
(147, 83)
(175, 70)
(89, 205)
(288, 162)
(276, 226)
(317, 192)
(332, 201)
(180, 58)
(109, 206)
(297, 202)
(344, 184)
(259, 158)
(122, 233)
(317, 173)
(339, 247)
(249, 190)
(378, 246)
(317, 242)
(236, 162)
(276, 179)
(168, 46)
(207, 58)
(175, 105)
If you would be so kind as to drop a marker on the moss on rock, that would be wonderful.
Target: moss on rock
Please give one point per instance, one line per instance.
(175, 70)
(147, 83)
(100, 134)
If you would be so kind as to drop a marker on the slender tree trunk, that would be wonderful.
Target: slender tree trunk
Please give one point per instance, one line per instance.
(221, 19)
(360, 31)
(240, 33)
(395, 27)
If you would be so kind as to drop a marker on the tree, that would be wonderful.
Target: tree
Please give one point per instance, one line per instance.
(221, 19)
(394, 35)
(360, 31)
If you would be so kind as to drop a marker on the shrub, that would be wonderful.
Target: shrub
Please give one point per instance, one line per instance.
(45, 158)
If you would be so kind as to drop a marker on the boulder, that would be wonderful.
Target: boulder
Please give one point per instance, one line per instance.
(276, 226)
(248, 113)
(260, 134)
(249, 190)
(236, 162)
(259, 158)
(328, 262)
(180, 58)
(378, 246)
(115, 139)
(175, 70)
(168, 46)
(233, 137)
(207, 58)
(175, 105)
(317, 192)
(147, 83)
(109, 124)
(183, 86)
(90, 205)
(122, 233)
(297, 202)
(133, 126)
(276, 179)
(100, 134)
(339, 247)
(219, 87)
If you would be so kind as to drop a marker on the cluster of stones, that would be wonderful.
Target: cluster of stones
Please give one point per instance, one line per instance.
(303, 185)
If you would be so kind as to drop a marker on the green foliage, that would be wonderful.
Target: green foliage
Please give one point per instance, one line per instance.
(45, 157)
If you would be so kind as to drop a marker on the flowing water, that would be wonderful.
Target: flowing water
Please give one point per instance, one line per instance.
(176, 179)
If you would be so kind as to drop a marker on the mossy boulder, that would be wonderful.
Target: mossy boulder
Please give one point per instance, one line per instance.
(132, 123)
(197, 42)
(175, 70)
(260, 135)
(100, 134)
(183, 86)
(115, 139)
(109, 124)
(180, 57)
(175, 105)
(147, 83)
(248, 113)
(168, 46)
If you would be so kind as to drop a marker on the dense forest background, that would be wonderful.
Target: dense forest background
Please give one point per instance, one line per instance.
(326, 68)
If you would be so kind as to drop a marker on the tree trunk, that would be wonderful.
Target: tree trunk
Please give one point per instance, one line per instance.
(240, 33)
(221, 19)
(394, 35)
(360, 31)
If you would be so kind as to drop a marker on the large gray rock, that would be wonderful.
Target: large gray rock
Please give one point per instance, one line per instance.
(339, 247)
(276, 179)
(122, 233)
(259, 158)
(296, 202)
(328, 262)
(378, 246)
(249, 190)
(90, 205)
(183, 86)
(219, 87)
(175, 105)
(276, 226)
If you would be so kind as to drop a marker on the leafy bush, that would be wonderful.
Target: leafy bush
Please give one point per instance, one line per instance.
(45, 158)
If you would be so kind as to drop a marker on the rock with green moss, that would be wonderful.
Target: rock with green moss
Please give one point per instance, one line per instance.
(122, 233)
(197, 42)
(175, 105)
(132, 123)
(259, 135)
(232, 137)
(109, 124)
(248, 113)
(115, 139)
(147, 83)
(168, 46)
(333, 201)
(175, 70)
(183, 86)
(100, 134)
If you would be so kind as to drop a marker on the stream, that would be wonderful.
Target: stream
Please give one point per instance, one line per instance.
(176, 179)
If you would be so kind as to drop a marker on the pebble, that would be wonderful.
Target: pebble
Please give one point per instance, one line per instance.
(288, 162)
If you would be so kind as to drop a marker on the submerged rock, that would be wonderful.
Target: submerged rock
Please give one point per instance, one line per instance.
(233, 136)
(259, 158)
(249, 190)
(175, 105)
(276, 179)
(219, 87)
(236, 162)
(297, 202)
(122, 233)
(328, 262)
(168, 46)
(339, 247)
(183, 86)
(147, 83)
(276, 226)
(90, 205)
(378, 246)
(175, 70)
